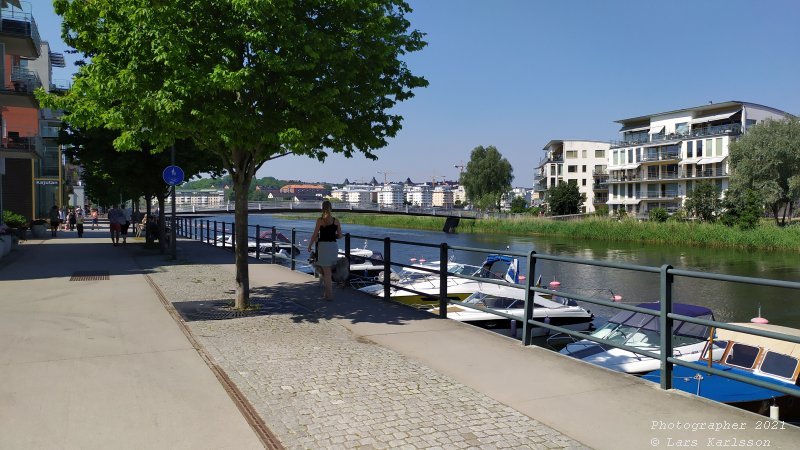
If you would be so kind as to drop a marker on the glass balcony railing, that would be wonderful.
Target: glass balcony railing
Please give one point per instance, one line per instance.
(715, 130)
(24, 81)
(664, 156)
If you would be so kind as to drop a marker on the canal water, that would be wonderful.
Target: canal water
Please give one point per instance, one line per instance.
(731, 302)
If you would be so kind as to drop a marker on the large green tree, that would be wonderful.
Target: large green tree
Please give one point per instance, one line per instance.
(565, 198)
(704, 202)
(766, 160)
(487, 177)
(248, 80)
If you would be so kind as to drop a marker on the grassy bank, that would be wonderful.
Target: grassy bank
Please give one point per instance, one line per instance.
(766, 237)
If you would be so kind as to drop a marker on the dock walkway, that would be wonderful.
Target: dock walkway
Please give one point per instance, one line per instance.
(98, 363)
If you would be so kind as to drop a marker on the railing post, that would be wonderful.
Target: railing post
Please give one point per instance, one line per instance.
(347, 246)
(208, 230)
(387, 268)
(201, 230)
(258, 240)
(291, 252)
(527, 329)
(233, 236)
(274, 244)
(224, 244)
(215, 233)
(443, 280)
(194, 228)
(665, 281)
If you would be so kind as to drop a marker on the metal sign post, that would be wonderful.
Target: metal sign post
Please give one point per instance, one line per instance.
(173, 176)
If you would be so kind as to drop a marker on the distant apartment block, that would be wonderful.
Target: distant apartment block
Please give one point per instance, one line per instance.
(356, 193)
(442, 197)
(579, 162)
(420, 195)
(312, 189)
(662, 157)
(198, 197)
(391, 195)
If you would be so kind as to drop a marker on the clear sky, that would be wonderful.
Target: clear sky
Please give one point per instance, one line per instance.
(517, 73)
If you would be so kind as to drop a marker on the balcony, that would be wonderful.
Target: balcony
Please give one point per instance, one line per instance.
(602, 186)
(719, 172)
(15, 147)
(600, 199)
(732, 129)
(19, 92)
(20, 33)
(669, 194)
(665, 175)
(661, 156)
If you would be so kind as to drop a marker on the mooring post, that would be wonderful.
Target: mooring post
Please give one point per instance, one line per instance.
(527, 330)
(443, 280)
(665, 280)
(387, 268)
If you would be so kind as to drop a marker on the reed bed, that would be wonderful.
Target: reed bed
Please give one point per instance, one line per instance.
(765, 237)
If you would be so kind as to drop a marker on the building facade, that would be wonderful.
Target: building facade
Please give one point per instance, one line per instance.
(579, 162)
(391, 195)
(442, 196)
(420, 195)
(662, 157)
(32, 176)
(198, 197)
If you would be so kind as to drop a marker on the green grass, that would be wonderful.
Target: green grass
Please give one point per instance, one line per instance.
(766, 237)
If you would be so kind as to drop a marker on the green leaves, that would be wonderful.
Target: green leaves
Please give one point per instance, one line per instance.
(565, 198)
(487, 177)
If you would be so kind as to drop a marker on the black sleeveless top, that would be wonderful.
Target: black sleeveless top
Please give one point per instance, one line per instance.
(327, 233)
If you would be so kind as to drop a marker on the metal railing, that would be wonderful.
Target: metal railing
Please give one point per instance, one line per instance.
(707, 131)
(306, 206)
(21, 23)
(202, 229)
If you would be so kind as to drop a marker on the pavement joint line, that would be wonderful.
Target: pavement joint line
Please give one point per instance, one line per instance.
(265, 435)
(112, 355)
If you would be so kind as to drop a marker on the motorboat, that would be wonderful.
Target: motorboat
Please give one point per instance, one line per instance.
(426, 284)
(282, 245)
(557, 311)
(364, 263)
(641, 331)
(755, 357)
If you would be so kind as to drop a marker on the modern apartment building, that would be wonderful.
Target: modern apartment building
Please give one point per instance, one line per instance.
(420, 195)
(31, 178)
(198, 197)
(661, 157)
(579, 162)
(442, 196)
(391, 195)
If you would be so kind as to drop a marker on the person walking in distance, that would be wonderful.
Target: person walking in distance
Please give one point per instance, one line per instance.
(79, 222)
(55, 220)
(126, 223)
(326, 231)
(94, 218)
(115, 220)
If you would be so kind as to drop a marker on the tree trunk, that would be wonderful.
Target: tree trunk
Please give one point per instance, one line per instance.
(240, 226)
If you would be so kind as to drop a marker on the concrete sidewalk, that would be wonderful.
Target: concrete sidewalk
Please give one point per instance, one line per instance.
(101, 364)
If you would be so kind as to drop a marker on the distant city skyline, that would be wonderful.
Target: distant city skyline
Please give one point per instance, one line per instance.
(517, 74)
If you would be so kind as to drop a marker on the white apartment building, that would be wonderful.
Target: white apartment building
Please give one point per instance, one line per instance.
(459, 195)
(419, 195)
(663, 156)
(442, 196)
(579, 162)
(356, 193)
(391, 195)
(200, 197)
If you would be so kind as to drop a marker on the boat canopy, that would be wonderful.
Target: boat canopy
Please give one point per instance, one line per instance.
(773, 345)
(511, 275)
(679, 327)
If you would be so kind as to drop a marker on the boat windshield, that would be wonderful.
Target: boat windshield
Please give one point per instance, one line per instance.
(643, 330)
(494, 301)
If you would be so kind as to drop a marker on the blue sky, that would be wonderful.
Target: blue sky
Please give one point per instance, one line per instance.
(517, 73)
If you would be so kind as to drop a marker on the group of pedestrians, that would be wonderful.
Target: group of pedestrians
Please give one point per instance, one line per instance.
(119, 220)
(74, 218)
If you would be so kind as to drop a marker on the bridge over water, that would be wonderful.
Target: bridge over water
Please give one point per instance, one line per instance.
(268, 207)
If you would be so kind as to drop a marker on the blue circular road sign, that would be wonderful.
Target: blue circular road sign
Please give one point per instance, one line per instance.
(173, 175)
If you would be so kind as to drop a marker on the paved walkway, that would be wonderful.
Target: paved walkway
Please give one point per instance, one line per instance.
(353, 373)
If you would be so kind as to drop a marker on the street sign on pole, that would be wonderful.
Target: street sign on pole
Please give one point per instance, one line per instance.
(173, 175)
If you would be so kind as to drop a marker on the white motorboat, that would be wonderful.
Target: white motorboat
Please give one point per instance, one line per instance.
(561, 313)
(426, 284)
(641, 331)
(364, 262)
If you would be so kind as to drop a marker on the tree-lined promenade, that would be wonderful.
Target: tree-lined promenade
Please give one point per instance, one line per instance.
(766, 236)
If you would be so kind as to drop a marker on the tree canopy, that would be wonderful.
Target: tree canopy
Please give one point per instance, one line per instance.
(704, 202)
(247, 80)
(766, 160)
(487, 177)
(565, 198)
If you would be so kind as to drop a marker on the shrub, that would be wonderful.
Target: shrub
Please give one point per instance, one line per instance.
(601, 211)
(14, 220)
(659, 215)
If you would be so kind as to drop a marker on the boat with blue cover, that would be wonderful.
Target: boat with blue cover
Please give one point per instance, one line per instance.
(759, 358)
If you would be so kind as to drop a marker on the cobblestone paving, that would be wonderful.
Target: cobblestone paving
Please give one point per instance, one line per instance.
(317, 386)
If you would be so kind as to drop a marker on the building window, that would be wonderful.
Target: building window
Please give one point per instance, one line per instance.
(718, 147)
(699, 149)
(616, 157)
(583, 169)
(573, 182)
(583, 182)
(552, 170)
(599, 153)
(682, 128)
(572, 169)
(600, 169)
(689, 149)
(639, 154)
(571, 154)
(749, 123)
(630, 155)
(583, 154)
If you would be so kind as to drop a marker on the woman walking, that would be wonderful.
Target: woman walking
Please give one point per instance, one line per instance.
(326, 231)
